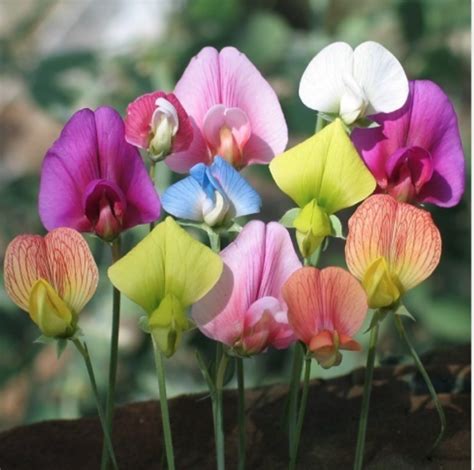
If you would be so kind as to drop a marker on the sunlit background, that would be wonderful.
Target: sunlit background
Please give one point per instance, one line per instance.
(59, 56)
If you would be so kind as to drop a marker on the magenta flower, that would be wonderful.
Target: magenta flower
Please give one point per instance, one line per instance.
(416, 154)
(245, 310)
(157, 122)
(92, 180)
(235, 111)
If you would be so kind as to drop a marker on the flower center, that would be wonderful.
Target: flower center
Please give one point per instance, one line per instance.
(164, 126)
(354, 102)
(408, 169)
(226, 131)
(105, 207)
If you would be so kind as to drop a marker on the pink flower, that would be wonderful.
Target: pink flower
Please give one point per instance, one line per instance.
(157, 122)
(325, 309)
(416, 154)
(245, 310)
(235, 111)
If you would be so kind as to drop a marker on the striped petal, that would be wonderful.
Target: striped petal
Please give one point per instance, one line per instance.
(404, 235)
(62, 259)
(327, 300)
(73, 271)
(25, 263)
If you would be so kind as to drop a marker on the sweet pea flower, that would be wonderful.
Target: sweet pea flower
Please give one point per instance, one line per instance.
(51, 278)
(245, 310)
(166, 273)
(323, 175)
(391, 247)
(158, 123)
(353, 84)
(213, 194)
(325, 309)
(416, 154)
(92, 180)
(235, 112)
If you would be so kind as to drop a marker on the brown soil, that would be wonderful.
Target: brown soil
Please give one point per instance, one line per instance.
(402, 426)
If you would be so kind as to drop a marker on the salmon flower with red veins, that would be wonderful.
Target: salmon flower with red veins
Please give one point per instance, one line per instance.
(51, 278)
(245, 309)
(416, 154)
(235, 112)
(92, 180)
(158, 123)
(325, 309)
(391, 247)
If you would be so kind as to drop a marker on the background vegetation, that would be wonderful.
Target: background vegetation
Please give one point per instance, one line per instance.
(58, 56)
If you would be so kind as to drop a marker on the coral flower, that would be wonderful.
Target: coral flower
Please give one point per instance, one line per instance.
(323, 175)
(416, 154)
(325, 309)
(52, 278)
(157, 122)
(245, 310)
(352, 84)
(166, 273)
(213, 194)
(92, 180)
(235, 111)
(391, 247)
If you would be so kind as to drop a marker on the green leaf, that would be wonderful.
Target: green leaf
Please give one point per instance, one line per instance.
(44, 340)
(403, 312)
(205, 373)
(143, 324)
(61, 345)
(289, 217)
(336, 227)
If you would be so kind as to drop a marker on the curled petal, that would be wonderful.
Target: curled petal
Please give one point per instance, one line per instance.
(403, 235)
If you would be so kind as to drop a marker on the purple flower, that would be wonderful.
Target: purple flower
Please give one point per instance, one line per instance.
(416, 154)
(92, 180)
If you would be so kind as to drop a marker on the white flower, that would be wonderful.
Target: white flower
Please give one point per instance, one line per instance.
(354, 83)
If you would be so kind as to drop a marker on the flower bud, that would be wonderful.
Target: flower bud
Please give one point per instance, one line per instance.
(50, 312)
(312, 225)
(383, 289)
(167, 324)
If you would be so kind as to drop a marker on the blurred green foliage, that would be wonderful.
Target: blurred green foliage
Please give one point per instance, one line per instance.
(431, 39)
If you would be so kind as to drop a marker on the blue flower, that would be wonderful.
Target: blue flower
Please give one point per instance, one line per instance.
(213, 194)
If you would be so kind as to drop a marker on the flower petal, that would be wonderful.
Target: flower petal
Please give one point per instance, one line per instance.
(74, 274)
(167, 261)
(243, 197)
(328, 299)
(403, 234)
(257, 264)
(68, 166)
(185, 199)
(243, 86)
(322, 85)
(381, 76)
(25, 263)
(325, 167)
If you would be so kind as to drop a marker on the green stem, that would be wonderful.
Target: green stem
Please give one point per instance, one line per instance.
(219, 419)
(82, 348)
(152, 177)
(301, 413)
(320, 123)
(214, 240)
(364, 413)
(110, 403)
(165, 417)
(293, 396)
(427, 380)
(241, 416)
